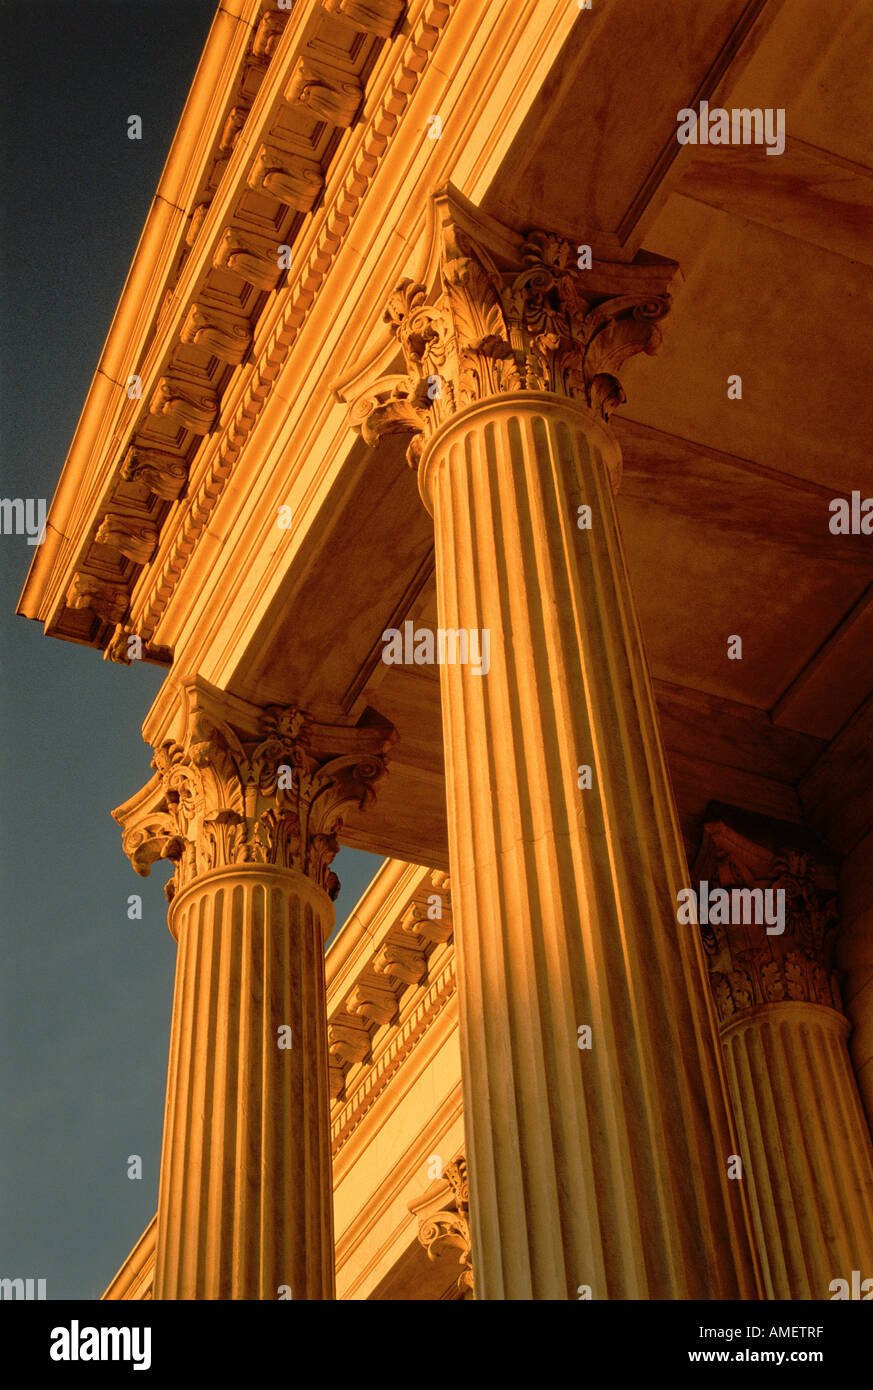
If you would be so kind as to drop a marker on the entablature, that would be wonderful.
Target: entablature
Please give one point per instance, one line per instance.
(166, 426)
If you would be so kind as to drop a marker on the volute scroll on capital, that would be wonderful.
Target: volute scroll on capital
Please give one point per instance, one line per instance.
(509, 314)
(274, 792)
(443, 1214)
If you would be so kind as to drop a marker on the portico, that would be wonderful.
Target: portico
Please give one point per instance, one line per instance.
(430, 391)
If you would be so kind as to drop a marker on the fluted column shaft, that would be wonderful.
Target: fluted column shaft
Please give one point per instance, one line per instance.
(247, 803)
(805, 1145)
(603, 1167)
(804, 1140)
(245, 1206)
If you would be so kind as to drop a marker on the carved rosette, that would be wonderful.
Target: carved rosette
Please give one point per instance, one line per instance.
(748, 967)
(444, 1220)
(491, 327)
(216, 799)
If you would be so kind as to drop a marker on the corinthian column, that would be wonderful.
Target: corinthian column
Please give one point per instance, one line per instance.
(803, 1133)
(597, 1128)
(247, 803)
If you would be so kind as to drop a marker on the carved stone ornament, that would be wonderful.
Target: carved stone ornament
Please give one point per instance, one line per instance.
(519, 317)
(747, 966)
(118, 648)
(109, 601)
(401, 963)
(194, 407)
(347, 1045)
(419, 919)
(252, 258)
(198, 217)
(236, 119)
(268, 33)
(130, 536)
(332, 98)
(294, 181)
(379, 17)
(228, 336)
(372, 1003)
(163, 474)
(444, 1220)
(221, 795)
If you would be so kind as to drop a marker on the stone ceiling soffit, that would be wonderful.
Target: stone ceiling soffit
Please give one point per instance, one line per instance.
(754, 20)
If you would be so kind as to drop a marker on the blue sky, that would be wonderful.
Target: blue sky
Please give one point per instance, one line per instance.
(85, 993)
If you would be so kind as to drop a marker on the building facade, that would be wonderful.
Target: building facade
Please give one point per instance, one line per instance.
(493, 491)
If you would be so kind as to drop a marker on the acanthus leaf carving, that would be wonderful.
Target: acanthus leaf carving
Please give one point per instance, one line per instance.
(418, 921)
(164, 474)
(373, 1003)
(252, 258)
(133, 537)
(236, 119)
(228, 336)
(333, 98)
(749, 966)
(195, 407)
(400, 963)
(117, 649)
(294, 181)
(268, 33)
(109, 601)
(491, 327)
(198, 217)
(347, 1045)
(444, 1221)
(269, 793)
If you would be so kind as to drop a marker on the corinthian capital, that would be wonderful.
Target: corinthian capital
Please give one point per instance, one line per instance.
(243, 785)
(750, 965)
(504, 313)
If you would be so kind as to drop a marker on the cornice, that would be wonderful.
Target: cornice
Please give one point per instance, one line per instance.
(155, 265)
(390, 891)
(223, 239)
(384, 993)
(461, 81)
(304, 448)
(349, 179)
(373, 1080)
